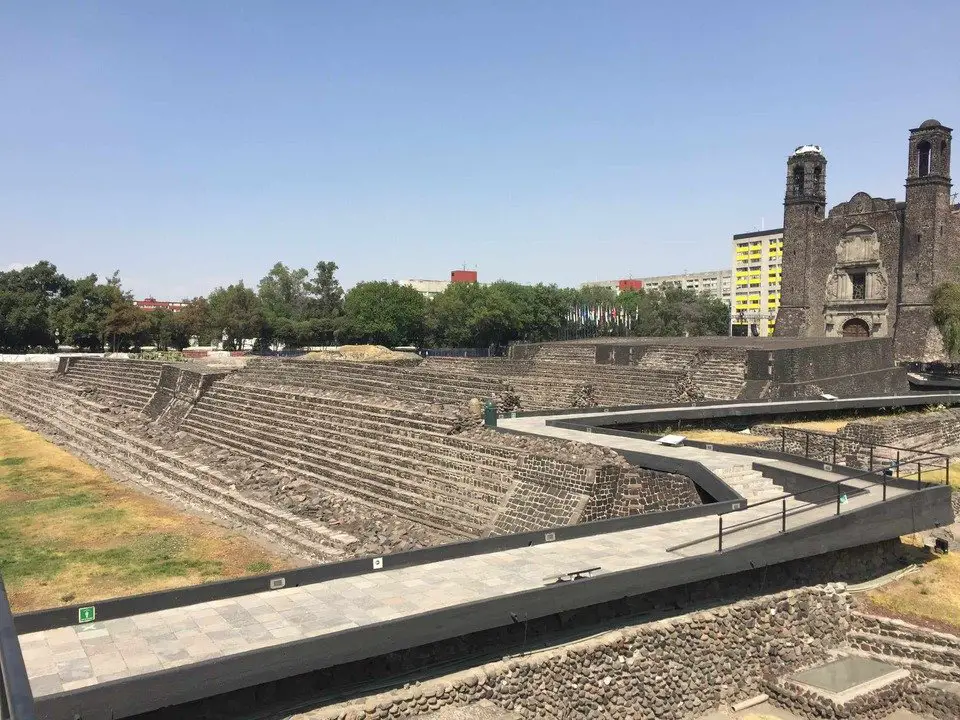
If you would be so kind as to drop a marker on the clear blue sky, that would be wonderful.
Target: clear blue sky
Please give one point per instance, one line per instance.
(193, 143)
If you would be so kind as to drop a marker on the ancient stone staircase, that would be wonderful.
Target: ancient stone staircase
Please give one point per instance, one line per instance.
(393, 459)
(930, 654)
(128, 382)
(60, 412)
(410, 384)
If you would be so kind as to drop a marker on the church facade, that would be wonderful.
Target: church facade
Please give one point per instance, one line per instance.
(868, 267)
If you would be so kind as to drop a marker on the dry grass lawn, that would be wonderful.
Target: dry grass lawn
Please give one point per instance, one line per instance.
(931, 594)
(824, 426)
(938, 476)
(723, 437)
(69, 533)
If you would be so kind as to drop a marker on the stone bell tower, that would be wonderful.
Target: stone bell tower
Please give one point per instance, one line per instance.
(929, 253)
(803, 207)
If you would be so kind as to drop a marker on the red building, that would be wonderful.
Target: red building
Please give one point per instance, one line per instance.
(463, 276)
(628, 285)
(150, 304)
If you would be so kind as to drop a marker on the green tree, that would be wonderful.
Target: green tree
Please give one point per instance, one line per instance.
(125, 325)
(384, 313)
(283, 300)
(450, 315)
(167, 329)
(196, 321)
(236, 312)
(326, 293)
(81, 316)
(28, 298)
(946, 315)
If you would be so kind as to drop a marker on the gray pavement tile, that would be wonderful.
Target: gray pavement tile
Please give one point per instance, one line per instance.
(70, 670)
(46, 684)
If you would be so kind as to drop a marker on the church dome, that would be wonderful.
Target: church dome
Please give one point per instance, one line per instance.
(804, 149)
(931, 123)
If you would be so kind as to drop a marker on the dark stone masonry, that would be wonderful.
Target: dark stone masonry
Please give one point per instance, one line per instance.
(329, 459)
(867, 268)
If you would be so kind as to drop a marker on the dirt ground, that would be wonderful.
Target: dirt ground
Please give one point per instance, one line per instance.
(766, 711)
(69, 533)
(362, 353)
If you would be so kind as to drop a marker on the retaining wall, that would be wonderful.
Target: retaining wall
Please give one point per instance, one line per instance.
(665, 670)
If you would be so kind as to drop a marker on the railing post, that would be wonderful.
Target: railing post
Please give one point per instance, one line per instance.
(919, 471)
(720, 535)
(898, 463)
(871, 458)
(838, 497)
(884, 487)
(946, 463)
(783, 521)
(783, 439)
(806, 452)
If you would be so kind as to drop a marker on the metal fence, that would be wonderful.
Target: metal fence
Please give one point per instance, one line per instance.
(862, 455)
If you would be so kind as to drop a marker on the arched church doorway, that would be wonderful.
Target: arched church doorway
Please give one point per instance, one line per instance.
(856, 328)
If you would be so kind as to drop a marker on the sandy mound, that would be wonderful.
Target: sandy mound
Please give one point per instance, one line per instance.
(364, 353)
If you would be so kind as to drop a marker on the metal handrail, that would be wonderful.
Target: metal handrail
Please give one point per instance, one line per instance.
(16, 697)
(918, 458)
(867, 475)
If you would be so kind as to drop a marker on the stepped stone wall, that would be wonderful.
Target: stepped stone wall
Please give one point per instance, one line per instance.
(550, 493)
(655, 491)
(127, 382)
(874, 705)
(928, 430)
(178, 389)
(320, 453)
(569, 375)
(665, 670)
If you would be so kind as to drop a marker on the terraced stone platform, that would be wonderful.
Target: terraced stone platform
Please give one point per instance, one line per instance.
(70, 658)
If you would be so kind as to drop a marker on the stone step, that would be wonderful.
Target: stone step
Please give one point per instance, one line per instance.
(900, 629)
(413, 456)
(335, 418)
(904, 648)
(476, 489)
(356, 407)
(352, 486)
(180, 472)
(923, 668)
(362, 386)
(111, 457)
(363, 423)
(439, 491)
(412, 376)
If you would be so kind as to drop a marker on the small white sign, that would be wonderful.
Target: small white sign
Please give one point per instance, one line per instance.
(709, 446)
(549, 537)
(378, 563)
(828, 467)
(277, 583)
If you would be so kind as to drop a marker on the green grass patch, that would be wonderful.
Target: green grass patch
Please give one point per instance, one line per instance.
(69, 533)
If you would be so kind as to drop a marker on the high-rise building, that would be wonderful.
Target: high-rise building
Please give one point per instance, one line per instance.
(757, 262)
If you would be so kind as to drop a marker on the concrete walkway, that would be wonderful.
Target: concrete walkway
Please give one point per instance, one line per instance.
(74, 657)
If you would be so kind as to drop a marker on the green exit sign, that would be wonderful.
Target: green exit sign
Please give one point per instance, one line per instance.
(87, 614)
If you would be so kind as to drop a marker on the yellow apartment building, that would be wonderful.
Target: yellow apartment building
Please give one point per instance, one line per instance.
(757, 267)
